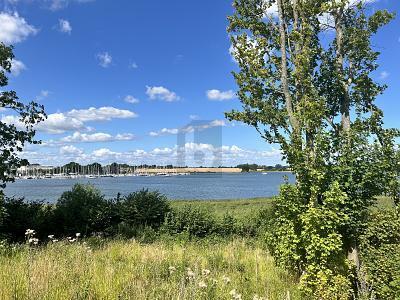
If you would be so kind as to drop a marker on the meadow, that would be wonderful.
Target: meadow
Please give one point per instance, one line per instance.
(162, 267)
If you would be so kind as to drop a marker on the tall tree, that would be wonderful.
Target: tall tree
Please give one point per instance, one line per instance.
(13, 137)
(305, 83)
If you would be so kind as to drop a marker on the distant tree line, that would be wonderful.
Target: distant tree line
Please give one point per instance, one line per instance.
(255, 167)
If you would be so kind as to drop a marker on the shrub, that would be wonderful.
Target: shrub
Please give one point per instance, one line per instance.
(21, 215)
(84, 210)
(193, 220)
(380, 253)
(144, 208)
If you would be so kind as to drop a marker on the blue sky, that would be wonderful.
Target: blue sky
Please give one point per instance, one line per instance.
(119, 81)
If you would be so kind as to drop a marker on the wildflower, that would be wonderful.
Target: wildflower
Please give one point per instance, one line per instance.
(235, 295)
(171, 269)
(51, 236)
(78, 234)
(190, 274)
(205, 272)
(34, 241)
(202, 285)
(54, 240)
(226, 279)
(71, 240)
(30, 232)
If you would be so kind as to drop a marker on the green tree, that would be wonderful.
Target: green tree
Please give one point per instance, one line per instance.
(13, 138)
(305, 84)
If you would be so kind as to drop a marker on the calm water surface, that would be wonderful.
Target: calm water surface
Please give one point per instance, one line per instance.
(196, 186)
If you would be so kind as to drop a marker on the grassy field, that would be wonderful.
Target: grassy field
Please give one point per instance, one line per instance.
(170, 268)
(236, 269)
(238, 208)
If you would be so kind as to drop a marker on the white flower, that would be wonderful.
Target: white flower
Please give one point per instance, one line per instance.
(205, 272)
(34, 241)
(235, 295)
(51, 236)
(78, 234)
(202, 285)
(30, 232)
(190, 274)
(71, 240)
(54, 240)
(171, 269)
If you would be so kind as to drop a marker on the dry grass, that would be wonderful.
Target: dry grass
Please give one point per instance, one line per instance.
(129, 270)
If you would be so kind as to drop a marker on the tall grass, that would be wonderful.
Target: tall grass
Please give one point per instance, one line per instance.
(237, 269)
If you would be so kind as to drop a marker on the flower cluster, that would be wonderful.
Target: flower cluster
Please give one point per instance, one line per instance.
(30, 237)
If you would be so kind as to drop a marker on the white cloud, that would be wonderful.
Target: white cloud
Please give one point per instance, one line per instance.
(161, 93)
(73, 120)
(14, 28)
(104, 152)
(17, 67)
(59, 123)
(64, 26)
(383, 75)
(194, 154)
(164, 131)
(131, 99)
(101, 114)
(217, 95)
(70, 150)
(133, 65)
(55, 5)
(78, 137)
(189, 128)
(105, 59)
(43, 94)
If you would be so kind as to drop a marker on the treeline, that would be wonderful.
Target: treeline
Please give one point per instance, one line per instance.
(255, 167)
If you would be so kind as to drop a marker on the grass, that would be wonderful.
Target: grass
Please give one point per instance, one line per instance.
(238, 208)
(130, 270)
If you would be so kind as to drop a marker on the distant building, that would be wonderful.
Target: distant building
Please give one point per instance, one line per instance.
(33, 169)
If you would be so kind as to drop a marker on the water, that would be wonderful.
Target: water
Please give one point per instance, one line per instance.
(196, 186)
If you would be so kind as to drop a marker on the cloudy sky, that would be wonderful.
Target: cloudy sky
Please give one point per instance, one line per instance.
(136, 82)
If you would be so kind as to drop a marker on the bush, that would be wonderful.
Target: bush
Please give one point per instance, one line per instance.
(84, 210)
(380, 253)
(144, 208)
(21, 215)
(193, 220)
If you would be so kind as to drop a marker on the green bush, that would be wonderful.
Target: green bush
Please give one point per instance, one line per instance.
(20, 215)
(144, 208)
(380, 253)
(84, 210)
(193, 220)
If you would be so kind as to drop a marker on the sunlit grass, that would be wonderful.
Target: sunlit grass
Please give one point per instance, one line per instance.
(130, 270)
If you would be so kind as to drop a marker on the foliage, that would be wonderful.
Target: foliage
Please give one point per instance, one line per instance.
(190, 219)
(144, 208)
(380, 250)
(21, 215)
(14, 137)
(83, 210)
(298, 85)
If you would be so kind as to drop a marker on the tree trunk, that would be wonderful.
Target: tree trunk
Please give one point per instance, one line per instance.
(284, 74)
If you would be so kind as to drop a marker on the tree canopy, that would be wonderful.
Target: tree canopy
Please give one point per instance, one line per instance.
(305, 83)
(13, 137)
